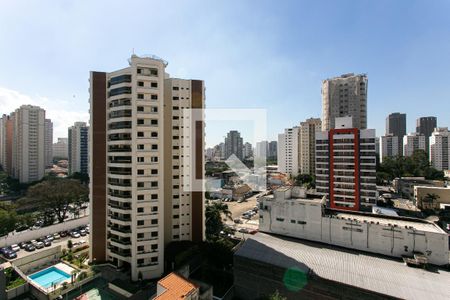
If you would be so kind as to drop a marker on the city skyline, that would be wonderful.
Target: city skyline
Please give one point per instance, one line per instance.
(404, 72)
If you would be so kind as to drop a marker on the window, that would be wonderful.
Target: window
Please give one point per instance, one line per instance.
(140, 197)
(301, 222)
(176, 236)
(140, 222)
(140, 209)
(176, 206)
(175, 88)
(153, 122)
(154, 159)
(154, 171)
(293, 221)
(140, 248)
(154, 259)
(140, 134)
(139, 71)
(154, 84)
(154, 184)
(140, 96)
(140, 172)
(154, 221)
(176, 216)
(176, 108)
(175, 98)
(140, 121)
(140, 83)
(154, 97)
(175, 118)
(140, 235)
(140, 146)
(140, 261)
(154, 233)
(140, 108)
(176, 226)
(280, 219)
(153, 109)
(154, 208)
(154, 134)
(154, 197)
(140, 159)
(140, 185)
(154, 147)
(154, 247)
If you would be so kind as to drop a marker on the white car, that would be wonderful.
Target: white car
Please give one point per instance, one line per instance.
(39, 245)
(15, 247)
(75, 234)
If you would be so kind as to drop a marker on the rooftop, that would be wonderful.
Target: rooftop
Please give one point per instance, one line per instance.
(371, 272)
(176, 287)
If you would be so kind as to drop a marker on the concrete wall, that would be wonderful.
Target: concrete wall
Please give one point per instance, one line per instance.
(39, 260)
(15, 292)
(421, 191)
(34, 234)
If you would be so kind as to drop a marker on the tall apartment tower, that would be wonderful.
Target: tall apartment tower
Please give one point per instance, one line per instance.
(60, 148)
(28, 151)
(261, 149)
(247, 150)
(440, 148)
(307, 145)
(396, 126)
(78, 136)
(234, 144)
(6, 143)
(388, 146)
(288, 151)
(346, 166)
(139, 203)
(48, 127)
(272, 150)
(412, 142)
(426, 126)
(344, 96)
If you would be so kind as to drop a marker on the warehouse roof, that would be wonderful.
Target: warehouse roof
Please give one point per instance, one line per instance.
(363, 270)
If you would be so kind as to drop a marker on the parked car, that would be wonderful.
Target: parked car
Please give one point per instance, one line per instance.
(15, 247)
(30, 247)
(39, 245)
(22, 245)
(63, 233)
(49, 237)
(56, 236)
(87, 229)
(10, 254)
(75, 234)
(83, 232)
(47, 243)
(4, 250)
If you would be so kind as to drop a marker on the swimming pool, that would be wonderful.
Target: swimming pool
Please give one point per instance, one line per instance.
(48, 277)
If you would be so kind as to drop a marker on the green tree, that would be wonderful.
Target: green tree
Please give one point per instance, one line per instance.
(213, 214)
(305, 180)
(69, 245)
(8, 219)
(276, 296)
(57, 196)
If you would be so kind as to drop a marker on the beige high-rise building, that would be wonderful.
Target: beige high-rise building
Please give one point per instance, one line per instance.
(342, 97)
(388, 146)
(307, 145)
(412, 142)
(48, 140)
(440, 148)
(138, 201)
(6, 141)
(288, 153)
(28, 153)
(78, 148)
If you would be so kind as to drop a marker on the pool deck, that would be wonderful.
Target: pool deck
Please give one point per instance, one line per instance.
(61, 266)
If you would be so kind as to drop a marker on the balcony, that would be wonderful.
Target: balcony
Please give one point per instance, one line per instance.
(119, 229)
(122, 242)
(119, 218)
(115, 204)
(119, 252)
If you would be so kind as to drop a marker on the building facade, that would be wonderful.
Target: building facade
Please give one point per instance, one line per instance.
(234, 145)
(440, 148)
(346, 166)
(261, 149)
(248, 150)
(307, 145)
(272, 150)
(396, 126)
(138, 200)
(412, 142)
(288, 153)
(60, 148)
(6, 143)
(48, 125)
(78, 136)
(344, 96)
(426, 126)
(28, 150)
(388, 146)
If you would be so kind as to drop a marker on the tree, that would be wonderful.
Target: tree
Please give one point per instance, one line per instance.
(430, 199)
(306, 180)
(213, 214)
(69, 245)
(56, 196)
(276, 296)
(8, 219)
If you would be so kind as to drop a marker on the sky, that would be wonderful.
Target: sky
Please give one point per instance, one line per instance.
(269, 55)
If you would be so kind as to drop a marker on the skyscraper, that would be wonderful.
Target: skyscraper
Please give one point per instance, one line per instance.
(426, 126)
(248, 150)
(396, 126)
(345, 96)
(307, 145)
(261, 149)
(288, 151)
(28, 150)
(272, 152)
(139, 203)
(78, 148)
(234, 145)
(6, 142)
(388, 146)
(440, 148)
(60, 149)
(346, 166)
(412, 142)
(48, 137)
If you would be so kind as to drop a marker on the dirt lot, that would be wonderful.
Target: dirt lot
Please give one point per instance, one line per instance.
(238, 208)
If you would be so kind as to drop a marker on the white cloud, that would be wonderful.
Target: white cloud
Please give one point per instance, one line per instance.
(56, 110)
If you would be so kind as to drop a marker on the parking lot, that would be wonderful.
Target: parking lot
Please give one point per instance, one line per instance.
(79, 241)
(237, 209)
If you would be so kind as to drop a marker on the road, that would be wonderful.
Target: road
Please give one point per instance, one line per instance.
(237, 209)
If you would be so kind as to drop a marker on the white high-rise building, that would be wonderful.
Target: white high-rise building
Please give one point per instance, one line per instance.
(345, 96)
(388, 146)
(28, 153)
(48, 143)
(412, 142)
(307, 145)
(139, 202)
(261, 149)
(288, 151)
(247, 150)
(440, 148)
(60, 148)
(78, 148)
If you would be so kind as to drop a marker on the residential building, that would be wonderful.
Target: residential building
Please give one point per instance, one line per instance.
(28, 150)
(346, 166)
(396, 126)
(426, 126)
(138, 155)
(404, 186)
(247, 150)
(388, 146)
(78, 147)
(272, 152)
(422, 196)
(6, 142)
(234, 145)
(261, 149)
(440, 148)
(307, 145)
(288, 151)
(61, 148)
(344, 96)
(48, 140)
(412, 142)
(175, 286)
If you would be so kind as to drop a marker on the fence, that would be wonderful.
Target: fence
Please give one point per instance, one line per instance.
(34, 234)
